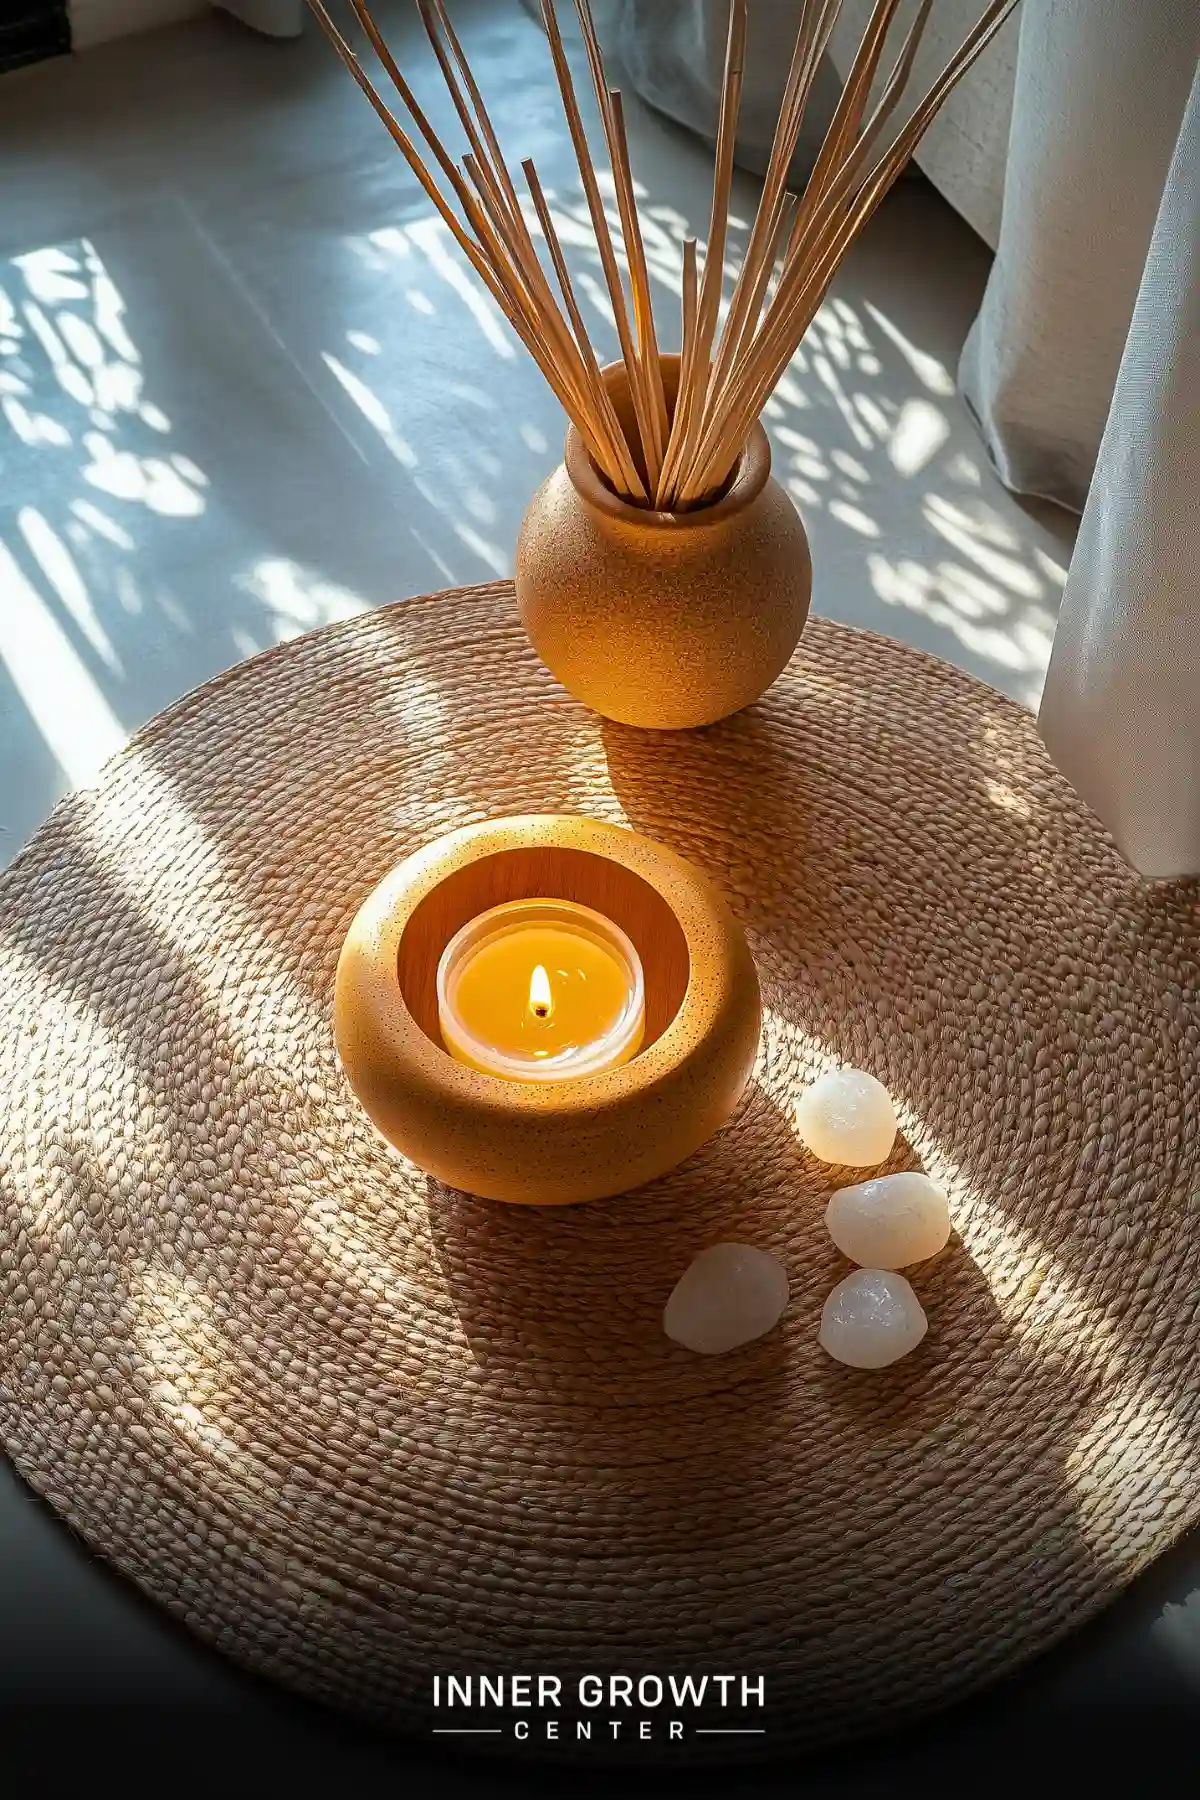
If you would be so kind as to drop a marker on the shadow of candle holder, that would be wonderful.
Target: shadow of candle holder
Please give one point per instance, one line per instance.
(562, 1310)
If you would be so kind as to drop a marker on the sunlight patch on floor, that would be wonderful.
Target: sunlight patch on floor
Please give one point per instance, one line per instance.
(76, 722)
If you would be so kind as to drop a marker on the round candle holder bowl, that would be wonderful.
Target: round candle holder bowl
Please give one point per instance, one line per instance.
(663, 619)
(558, 1142)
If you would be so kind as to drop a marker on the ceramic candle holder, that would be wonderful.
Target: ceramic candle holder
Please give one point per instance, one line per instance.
(564, 1141)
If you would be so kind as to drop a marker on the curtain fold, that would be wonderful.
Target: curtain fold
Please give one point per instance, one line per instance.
(1120, 710)
(673, 51)
(1100, 90)
(277, 18)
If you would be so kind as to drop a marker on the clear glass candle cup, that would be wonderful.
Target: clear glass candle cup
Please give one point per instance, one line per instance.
(545, 934)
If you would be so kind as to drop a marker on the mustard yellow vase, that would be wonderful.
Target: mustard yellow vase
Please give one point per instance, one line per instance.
(662, 619)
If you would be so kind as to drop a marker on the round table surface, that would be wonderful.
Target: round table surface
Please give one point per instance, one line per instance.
(97, 1678)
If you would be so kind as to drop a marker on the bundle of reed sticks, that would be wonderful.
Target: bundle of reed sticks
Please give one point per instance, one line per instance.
(675, 457)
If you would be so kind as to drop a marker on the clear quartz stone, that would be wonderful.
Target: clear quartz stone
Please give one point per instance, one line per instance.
(871, 1319)
(847, 1117)
(728, 1295)
(890, 1221)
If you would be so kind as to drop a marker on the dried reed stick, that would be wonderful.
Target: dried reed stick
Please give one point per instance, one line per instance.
(679, 457)
(840, 137)
(611, 423)
(690, 305)
(484, 256)
(839, 179)
(699, 350)
(885, 170)
(639, 277)
(612, 117)
(489, 172)
(817, 20)
(608, 261)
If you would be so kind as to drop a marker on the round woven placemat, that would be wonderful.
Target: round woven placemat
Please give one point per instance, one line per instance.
(356, 1429)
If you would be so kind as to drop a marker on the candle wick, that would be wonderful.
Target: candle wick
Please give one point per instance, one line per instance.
(540, 997)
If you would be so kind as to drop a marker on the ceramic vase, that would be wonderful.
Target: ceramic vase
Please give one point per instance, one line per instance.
(663, 619)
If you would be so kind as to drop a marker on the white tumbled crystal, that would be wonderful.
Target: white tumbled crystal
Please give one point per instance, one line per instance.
(729, 1294)
(889, 1221)
(847, 1117)
(871, 1319)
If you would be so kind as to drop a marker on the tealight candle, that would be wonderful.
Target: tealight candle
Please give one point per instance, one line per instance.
(541, 990)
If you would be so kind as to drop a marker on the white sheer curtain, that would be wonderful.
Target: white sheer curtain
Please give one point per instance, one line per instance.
(1121, 709)
(278, 18)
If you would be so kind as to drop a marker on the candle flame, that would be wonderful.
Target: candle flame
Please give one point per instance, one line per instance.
(541, 1000)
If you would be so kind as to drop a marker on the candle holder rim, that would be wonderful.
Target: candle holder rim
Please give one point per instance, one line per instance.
(408, 1044)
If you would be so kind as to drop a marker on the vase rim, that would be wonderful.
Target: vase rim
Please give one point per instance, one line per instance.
(751, 472)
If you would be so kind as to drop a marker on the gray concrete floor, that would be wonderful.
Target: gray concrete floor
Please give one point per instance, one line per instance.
(248, 387)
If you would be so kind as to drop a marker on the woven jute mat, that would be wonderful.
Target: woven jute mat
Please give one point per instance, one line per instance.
(358, 1430)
